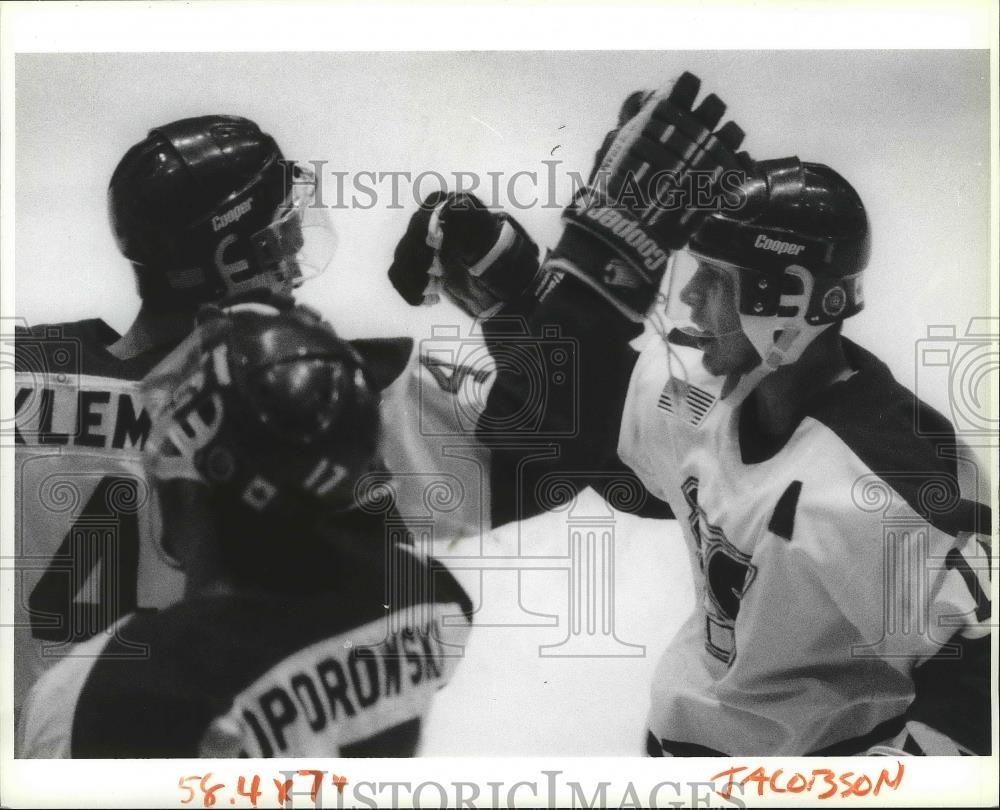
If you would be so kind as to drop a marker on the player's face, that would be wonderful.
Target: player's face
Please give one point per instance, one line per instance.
(711, 295)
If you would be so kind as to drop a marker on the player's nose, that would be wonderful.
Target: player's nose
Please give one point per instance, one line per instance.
(693, 293)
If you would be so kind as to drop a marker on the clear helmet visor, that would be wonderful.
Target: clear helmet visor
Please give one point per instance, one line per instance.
(711, 350)
(699, 301)
(301, 241)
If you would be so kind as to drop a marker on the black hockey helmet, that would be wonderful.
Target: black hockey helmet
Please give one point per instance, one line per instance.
(208, 207)
(796, 242)
(792, 213)
(268, 408)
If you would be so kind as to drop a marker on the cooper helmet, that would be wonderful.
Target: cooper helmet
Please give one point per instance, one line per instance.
(208, 207)
(269, 408)
(797, 242)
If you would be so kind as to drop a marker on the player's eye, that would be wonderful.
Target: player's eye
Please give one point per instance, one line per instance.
(706, 278)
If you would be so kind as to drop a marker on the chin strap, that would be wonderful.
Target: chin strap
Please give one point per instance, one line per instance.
(739, 386)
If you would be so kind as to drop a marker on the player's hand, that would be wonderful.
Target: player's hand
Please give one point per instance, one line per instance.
(657, 175)
(456, 246)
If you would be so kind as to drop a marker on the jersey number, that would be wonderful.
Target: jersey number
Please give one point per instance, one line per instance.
(104, 536)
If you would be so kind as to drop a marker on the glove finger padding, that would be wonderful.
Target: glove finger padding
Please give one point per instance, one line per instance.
(655, 182)
(481, 257)
(629, 109)
(413, 257)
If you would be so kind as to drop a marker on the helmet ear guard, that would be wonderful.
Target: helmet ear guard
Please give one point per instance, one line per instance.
(776, 329)
(781, 314)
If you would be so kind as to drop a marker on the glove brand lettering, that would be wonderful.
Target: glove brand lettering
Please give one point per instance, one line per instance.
(234, 214)
(766, 243)
(631, 233)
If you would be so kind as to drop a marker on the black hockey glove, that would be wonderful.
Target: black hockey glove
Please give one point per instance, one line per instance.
(656, 177)
(457, 246)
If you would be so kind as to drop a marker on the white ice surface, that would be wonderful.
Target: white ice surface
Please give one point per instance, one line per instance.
(508, 699)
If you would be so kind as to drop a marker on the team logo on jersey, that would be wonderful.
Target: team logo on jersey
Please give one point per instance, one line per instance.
(728, 575)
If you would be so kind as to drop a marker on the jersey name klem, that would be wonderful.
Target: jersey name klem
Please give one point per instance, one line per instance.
(97, 413)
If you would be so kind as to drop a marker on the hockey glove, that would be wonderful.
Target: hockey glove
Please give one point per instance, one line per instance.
(657, 176)
(457, 246)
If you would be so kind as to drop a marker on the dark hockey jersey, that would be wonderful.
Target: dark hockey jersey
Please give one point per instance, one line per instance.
(343, 672)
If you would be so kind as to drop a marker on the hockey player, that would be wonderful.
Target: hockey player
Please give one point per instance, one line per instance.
(839, 563)
(264, 426)
(770, 453)
(206, 209)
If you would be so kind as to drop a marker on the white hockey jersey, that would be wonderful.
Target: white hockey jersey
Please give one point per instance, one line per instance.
(85, 526)
(825, 573)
